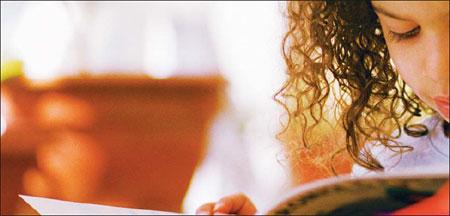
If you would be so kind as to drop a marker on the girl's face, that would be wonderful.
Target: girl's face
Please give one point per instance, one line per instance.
(416, 34)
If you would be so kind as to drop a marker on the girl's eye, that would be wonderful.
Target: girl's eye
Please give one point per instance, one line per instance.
(400, 36)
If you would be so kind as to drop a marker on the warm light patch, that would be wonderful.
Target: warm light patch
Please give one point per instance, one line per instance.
(41, 39)
(3, 126)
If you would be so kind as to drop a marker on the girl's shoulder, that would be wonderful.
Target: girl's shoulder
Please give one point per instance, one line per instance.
(430, 151)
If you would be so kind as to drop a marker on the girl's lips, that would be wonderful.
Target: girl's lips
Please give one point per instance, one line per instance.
(443, 105)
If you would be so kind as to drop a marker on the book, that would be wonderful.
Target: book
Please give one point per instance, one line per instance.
(368, 195)
(341, 195)
(46, 206)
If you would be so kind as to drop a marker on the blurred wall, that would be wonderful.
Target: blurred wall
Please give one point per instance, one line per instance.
(239, 40)
(244, 155)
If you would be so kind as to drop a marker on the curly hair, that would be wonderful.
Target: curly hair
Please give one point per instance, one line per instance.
(342, 89)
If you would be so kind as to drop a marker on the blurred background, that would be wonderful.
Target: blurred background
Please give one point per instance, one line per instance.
(152, 105)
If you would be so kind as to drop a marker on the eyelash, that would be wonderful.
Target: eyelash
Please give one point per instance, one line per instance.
(400, 36)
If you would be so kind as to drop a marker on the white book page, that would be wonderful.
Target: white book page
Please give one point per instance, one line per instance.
(46, 206)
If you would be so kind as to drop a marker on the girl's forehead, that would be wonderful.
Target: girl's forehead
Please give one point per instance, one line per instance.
(412, 10)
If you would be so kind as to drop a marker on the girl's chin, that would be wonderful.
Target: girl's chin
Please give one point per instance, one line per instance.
(444, 117)
(443, 111)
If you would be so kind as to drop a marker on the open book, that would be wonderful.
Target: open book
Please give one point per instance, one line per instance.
(334, 196)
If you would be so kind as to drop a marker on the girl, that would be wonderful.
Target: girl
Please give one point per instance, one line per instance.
(377, 71)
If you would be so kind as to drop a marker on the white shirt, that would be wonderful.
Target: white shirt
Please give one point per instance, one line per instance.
(431, 152)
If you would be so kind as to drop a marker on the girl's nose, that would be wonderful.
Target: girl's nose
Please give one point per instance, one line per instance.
(438, 59)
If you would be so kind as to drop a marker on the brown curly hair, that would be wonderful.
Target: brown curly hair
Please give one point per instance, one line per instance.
(342, 90)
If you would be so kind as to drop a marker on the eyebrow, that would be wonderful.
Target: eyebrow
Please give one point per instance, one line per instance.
(386, 13)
